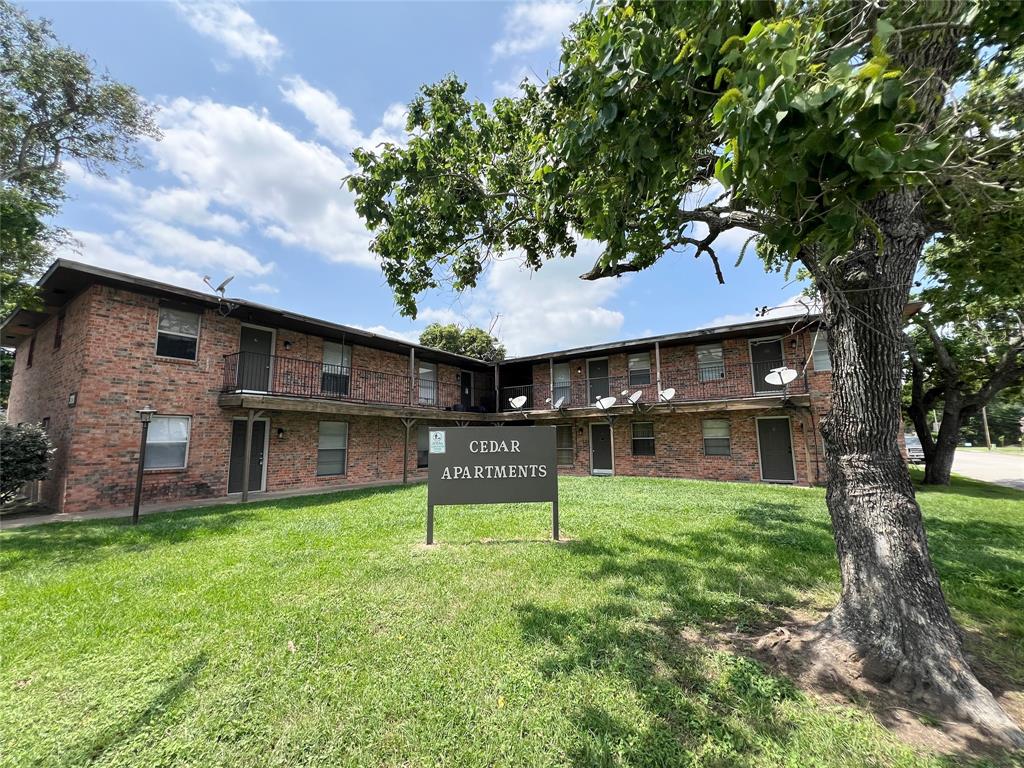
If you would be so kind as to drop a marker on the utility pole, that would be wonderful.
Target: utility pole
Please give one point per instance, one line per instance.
(984, 424)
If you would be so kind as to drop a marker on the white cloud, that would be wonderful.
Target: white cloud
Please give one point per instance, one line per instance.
(264, 288)
(530, 26)
(336, 123)
(189, 206)
(510, 87)
(165, 241)
(794, 306)
(94, 248)
(110, 186)
(242, 161)
(227, 23)
(412, 336)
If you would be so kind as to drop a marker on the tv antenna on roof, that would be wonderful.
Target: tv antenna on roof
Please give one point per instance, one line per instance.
(224, 306)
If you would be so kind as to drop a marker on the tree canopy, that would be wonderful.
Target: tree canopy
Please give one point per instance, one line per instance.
(475, 342)
(54, 106)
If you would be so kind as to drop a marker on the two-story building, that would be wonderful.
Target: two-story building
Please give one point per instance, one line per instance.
(250, 399)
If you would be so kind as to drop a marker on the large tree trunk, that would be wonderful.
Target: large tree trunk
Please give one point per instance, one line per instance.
(892, 610)
(939, 465)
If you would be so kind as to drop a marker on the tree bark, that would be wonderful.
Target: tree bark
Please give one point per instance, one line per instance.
(939, 465)
(892, 610)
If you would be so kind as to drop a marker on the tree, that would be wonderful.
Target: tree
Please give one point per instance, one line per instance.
(830, 131)
(53, 106)
(25, 457)
(475, 342)
(967, 346)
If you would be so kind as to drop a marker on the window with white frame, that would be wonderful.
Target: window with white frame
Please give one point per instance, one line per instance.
(427, 376)
(177, 334)
(643, 438)
(639, 369)
(337, 369)
(422, 447)
(332, 449)
(717, 437)
(565, 450)
(167, 442)
(710, 362)
(822, 358)
(561, 382)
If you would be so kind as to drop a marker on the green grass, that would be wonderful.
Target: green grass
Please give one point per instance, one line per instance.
(320, 631)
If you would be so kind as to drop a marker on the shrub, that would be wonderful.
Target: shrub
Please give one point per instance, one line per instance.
(24, 455)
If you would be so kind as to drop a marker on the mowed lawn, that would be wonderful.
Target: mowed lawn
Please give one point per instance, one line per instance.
(321, 631)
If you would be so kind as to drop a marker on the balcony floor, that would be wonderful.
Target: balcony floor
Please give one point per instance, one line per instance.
(268, 402)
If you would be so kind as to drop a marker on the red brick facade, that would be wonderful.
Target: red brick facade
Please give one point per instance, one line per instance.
(107, 360)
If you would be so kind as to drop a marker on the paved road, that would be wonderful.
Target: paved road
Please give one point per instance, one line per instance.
(1000, 468)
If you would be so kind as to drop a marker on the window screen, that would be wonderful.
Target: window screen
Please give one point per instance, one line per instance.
(822, 359)
(177, 334)
(710, 362)
(332, 449)
(717, 439)
(643, 438)
(639, 369)
(167, 442)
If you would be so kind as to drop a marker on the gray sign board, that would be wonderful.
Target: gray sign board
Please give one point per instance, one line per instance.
(491, 465)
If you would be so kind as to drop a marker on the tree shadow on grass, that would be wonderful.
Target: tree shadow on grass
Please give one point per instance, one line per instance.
(94, 748)
(753, 571)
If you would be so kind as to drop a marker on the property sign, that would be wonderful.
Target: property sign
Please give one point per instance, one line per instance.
(491, 465)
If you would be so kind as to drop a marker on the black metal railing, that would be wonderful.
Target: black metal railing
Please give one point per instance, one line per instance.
(707, 382)
(294, 377)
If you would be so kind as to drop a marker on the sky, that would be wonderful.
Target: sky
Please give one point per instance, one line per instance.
(260, 105)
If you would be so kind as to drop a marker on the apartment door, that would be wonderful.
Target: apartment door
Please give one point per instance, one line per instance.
(256, 460)
(466, 389)
(254, 363)
(600, 449)
(597, 379)
(775, 446)
(561, 383)
(765, 354)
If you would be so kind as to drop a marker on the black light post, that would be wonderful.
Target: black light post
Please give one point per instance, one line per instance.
(145, 416)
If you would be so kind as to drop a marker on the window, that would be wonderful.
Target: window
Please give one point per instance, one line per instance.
(822, 359)
(422, 447)
(337, 368)
(643, 438)
(717, 441)
(177, 334)
(167, 442)
(564, 448)
(58, 332)
(428, 383)
(332, 450)
(561, 382)
(710, 362)
(639, 369)
(31, 352)
(46, 424)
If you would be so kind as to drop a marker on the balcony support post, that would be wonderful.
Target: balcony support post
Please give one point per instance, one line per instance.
(497, 388)
(657, 369)
(412, 375)
(551, 383)
(250, 418)
(409, 423)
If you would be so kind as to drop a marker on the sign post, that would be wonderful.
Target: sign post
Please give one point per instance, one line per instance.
(491, 465)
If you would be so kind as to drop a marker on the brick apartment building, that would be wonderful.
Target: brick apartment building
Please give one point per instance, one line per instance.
(329, 406)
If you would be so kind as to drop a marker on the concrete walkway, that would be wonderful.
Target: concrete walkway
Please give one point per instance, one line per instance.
(10, 522)
(992, 467)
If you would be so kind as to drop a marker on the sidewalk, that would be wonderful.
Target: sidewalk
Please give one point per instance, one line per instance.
(23, 520)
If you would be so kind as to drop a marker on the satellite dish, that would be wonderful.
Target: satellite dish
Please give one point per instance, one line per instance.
(220, 288)
(517, 402)
(559, 403)
(667, 394)
(635, 397)
(780, 377)
(604, 403)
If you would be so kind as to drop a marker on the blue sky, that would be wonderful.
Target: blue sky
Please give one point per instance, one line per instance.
(260, 106)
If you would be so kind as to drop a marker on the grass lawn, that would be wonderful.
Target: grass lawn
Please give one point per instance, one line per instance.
(320, 631)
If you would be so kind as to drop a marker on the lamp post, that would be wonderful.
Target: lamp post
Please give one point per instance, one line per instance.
(145, 416)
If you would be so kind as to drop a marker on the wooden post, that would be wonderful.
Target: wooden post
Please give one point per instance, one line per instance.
(248, 453)
(657, 370)
(409, 423)
(551, 380)
(497, 388)
(412, 375)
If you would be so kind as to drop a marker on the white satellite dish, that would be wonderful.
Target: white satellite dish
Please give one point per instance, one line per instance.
(604, 403)
(780, 377)
(559, 403)
(635, 397)
(667, 394)
(517, 402)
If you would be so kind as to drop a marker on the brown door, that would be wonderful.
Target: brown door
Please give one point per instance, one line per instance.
(776, 448)
(765, 355)
(256, 459)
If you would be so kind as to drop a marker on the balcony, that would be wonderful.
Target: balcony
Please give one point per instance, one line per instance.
(250, 373)
(706, 383)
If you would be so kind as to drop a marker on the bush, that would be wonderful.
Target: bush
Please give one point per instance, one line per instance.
(24, 455)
